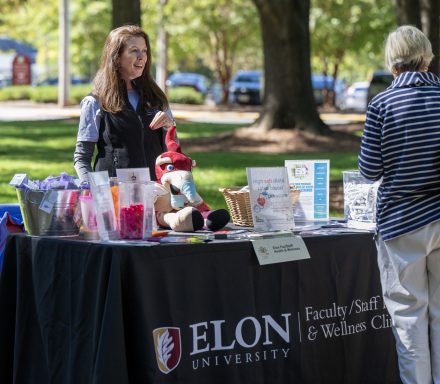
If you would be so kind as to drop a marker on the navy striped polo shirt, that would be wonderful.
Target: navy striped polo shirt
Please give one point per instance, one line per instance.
(401, 144)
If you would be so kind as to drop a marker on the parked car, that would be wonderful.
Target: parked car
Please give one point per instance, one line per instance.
(355, 97)
(246, 87)
(320, 83)
(4, 81)
(74, 80)
(189, 79)
(380, 81)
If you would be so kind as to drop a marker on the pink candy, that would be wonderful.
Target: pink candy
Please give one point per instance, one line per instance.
(131, 221)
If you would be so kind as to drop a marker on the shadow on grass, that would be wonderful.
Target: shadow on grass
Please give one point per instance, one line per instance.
(277, 141)
(189, 130)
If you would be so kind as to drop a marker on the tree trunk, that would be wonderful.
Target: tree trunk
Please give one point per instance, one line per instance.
(338, 60)
(425, 15)
(288, 95)
(223, 59)
(162, 49)
(430, 20)
(408, 12)
(126, 12)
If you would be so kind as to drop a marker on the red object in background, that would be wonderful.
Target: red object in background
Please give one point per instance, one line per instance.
(21, 70)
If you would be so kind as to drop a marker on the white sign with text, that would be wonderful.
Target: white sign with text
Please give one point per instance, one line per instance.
(270, 199)
(280, 249)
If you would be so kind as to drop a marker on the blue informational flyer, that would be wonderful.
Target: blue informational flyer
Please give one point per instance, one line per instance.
(312, 178)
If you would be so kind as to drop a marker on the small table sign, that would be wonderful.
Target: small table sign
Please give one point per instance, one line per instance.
(280, 249)
(134, 175)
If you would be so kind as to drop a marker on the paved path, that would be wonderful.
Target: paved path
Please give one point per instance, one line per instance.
(26, 111)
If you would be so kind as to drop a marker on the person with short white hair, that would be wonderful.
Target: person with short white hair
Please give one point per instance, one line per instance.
(401, 145)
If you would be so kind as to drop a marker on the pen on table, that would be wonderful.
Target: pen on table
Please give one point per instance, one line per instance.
(185, 240)
(270, 234)
(158, 233)
(233, 234)
(177, 239)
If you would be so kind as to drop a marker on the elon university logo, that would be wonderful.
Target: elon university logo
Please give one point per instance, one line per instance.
(167, 347)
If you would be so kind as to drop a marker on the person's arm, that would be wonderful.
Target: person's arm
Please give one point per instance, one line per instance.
(88, 134)
(82, 158)
(370, 156)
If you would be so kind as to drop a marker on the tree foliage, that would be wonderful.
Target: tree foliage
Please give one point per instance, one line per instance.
(215, 36)
(39, 29)
(7, 6)
(90, 23)
(87, 35)
(224, 34)
(349, 33)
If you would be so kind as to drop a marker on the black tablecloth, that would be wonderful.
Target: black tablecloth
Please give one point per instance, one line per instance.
(79, 312)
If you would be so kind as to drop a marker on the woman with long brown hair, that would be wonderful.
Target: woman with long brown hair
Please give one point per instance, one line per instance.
(126, 114)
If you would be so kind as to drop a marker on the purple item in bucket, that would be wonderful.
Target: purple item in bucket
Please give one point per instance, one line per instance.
(64, 181)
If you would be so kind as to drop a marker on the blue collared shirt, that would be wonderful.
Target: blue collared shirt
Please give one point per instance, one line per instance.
(401, 145)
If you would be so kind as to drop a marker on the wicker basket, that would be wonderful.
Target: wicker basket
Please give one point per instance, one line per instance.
(239, 204)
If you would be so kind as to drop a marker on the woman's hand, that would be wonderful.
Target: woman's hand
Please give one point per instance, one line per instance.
(161, 119)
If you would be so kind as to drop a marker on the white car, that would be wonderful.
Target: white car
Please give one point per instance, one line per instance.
(355, 98)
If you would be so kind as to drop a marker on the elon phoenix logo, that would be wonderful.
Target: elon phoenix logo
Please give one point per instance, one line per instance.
(167, 347)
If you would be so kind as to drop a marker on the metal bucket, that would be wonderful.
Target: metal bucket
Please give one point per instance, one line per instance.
(62, 216)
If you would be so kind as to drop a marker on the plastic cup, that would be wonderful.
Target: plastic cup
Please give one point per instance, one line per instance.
(359, 200)
(88, 213)
(135, 210)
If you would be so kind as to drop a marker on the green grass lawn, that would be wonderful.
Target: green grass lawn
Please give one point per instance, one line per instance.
(43, 148)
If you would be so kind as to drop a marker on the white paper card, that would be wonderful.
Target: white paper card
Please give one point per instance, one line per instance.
(104, 207)
(135, 175)
(18, 179)
(48, 201)
(280, 249)
(270, 199)
(312, 178)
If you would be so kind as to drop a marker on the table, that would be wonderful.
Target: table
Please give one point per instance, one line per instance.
(15, 215)
(80, 312)
(13, 209)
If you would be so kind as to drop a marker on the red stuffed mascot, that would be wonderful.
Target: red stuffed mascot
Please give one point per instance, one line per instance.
(178, 205)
